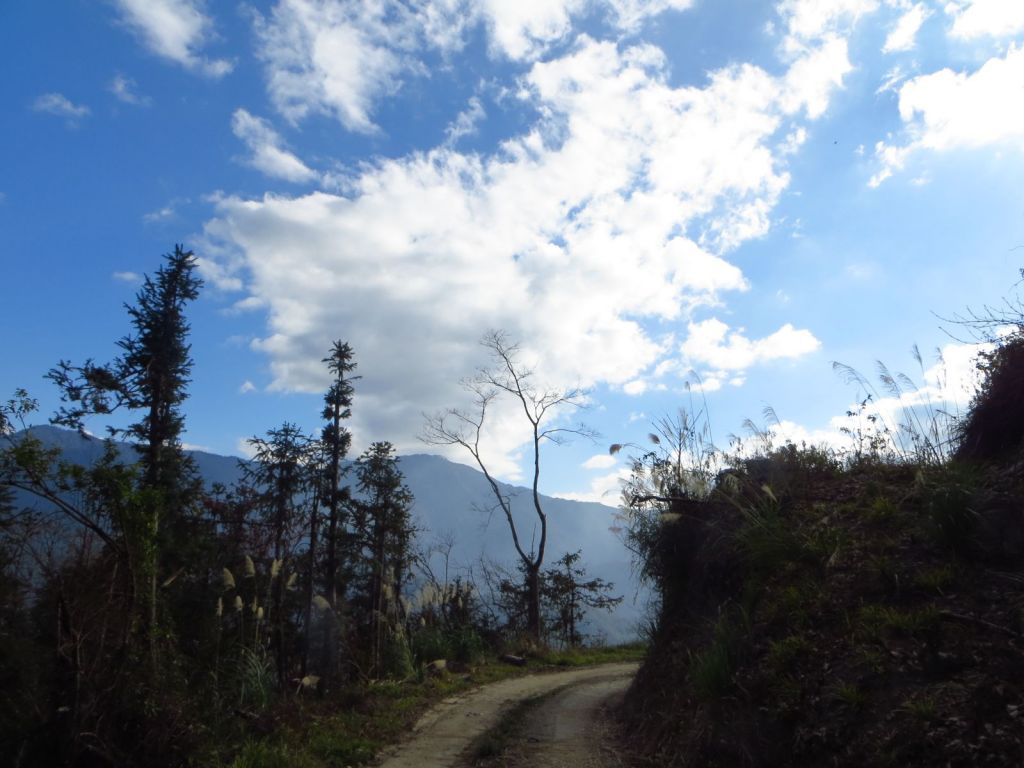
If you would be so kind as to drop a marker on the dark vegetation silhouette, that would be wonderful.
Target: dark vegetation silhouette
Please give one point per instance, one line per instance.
(838, 607)
(289, 619)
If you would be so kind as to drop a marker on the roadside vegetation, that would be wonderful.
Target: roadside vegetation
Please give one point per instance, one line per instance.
(843, 608)
(294, 619)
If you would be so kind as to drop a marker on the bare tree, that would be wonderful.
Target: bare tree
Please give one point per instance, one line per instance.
(508, 377)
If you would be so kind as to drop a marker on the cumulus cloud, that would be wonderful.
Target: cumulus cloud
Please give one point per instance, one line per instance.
(335, 57)
(712, 344)
(175, 30)
(903, 36)
(809, 22)
(59, 105)
(985, 18)
(340, 58)
(267, 153)
(951, 110)
(587, 236)
(526, 30)
(128, 277)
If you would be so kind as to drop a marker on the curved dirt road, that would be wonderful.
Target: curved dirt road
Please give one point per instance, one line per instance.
(560, 730)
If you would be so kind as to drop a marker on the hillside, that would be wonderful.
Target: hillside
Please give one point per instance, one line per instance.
(451, 498)
(821, 615)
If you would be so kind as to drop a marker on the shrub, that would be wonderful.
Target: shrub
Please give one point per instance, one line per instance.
(994, 426)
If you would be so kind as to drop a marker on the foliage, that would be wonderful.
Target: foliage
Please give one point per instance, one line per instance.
(994, 426)
(383, 533)
(567, 593)
(948, 498)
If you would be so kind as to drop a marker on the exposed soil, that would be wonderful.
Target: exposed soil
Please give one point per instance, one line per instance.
(563, 726)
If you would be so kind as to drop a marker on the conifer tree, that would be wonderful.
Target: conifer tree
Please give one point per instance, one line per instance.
(336, 440)
(384, 533)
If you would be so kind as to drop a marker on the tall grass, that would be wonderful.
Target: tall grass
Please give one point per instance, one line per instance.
(922, 428)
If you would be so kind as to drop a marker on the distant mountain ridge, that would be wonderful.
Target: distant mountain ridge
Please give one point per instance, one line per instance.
(451, 499)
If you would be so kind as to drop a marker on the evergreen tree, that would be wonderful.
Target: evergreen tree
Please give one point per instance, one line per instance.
(282, 477)
(384, 533)
(568, 592)
(151, 376)
(336, 440)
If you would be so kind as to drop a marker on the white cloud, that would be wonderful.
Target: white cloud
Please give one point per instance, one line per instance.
(128, 277)
(808, 22)
(175, 30)
(246, 388)
(903, 36)
(891, 81)
(341, 57)
(711, 343)
(335, 57)
(583, 236)
(123, 89)
(815, 44)
(465, 122)
(635, 387)
(814, 76)
(522, 30)
(600, 461)
(951, 110)
(525, 30)
(605, 489)
(244, 448)
(986, 18)
(59, 105)
(266, 147)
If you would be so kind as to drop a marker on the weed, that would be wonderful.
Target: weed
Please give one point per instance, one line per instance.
(923, 708)
(255, 672)
(875, 620)
(923, 432)
(337, 747)
(947, 495)
(872, 659)
(851, 695)
(260, 754)
(766, 540)
(711, 670)
(935, 579)
(881, 510)
(886, 573)
(783, 654)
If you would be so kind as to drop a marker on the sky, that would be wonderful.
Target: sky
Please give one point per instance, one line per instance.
(673, 203)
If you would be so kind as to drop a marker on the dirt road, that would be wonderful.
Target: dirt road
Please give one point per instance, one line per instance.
(559, 732)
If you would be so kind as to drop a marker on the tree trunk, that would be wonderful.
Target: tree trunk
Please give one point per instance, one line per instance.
(533, 623)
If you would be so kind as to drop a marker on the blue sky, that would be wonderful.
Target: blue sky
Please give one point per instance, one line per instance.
(640, 192)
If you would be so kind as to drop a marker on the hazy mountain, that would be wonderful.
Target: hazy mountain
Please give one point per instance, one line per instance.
(453, 500)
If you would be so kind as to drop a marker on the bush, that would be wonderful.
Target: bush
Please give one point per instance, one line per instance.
(994, 427)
